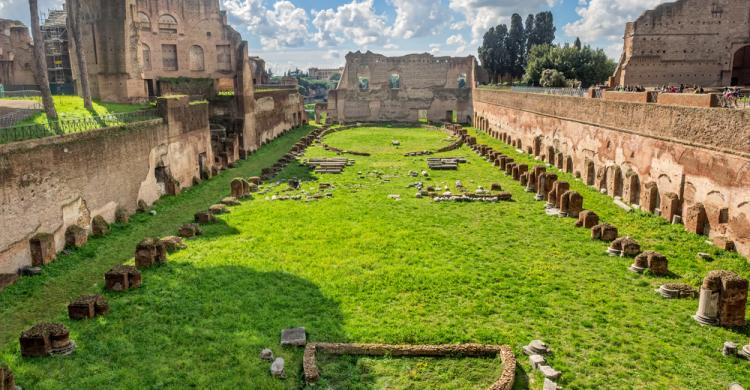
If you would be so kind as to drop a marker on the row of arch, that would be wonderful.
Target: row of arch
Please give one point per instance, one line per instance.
(622, 181)
(167, 23)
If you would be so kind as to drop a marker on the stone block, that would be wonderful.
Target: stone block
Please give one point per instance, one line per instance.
(695, 218)
(230, 201)
(670, 206)
(189, 230)
(587, 219)
(536, 361)
(724, 243)
(43, 339)
(496, 187)
(654, 261)
(294, 337)
(122, 216)
(255, 180)
(240, 188)
(571, 204)
(524, 179)
(87, 307)
(549, 372)
(76, 236)
(723, 299)
(122, 278)
(99, 226)
(626, 247)
(7, 379)
(150, 252)
(555, 195)
(204, 217)
(649, 197)
(42, 247)
(173, 244)
(218, 209)
(604, 232)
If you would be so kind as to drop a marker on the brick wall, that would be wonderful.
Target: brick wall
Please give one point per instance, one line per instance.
(50, 184)
(665, 159)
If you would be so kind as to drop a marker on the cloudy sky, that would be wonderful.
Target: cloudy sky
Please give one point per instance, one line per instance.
(305, 33)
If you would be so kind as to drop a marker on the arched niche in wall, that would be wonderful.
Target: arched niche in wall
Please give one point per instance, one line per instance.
(196, 57)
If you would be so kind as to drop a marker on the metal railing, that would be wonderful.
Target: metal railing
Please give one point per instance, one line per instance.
(16, 116)
(73, 125)
(577, 92)
(24, 93)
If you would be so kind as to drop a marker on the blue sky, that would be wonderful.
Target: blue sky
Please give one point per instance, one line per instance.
(306, 33)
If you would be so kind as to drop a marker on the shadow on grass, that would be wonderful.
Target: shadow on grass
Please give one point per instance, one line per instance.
(298, 171)
(191, 326)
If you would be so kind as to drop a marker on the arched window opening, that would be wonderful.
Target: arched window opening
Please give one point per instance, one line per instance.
(196, 58)
(167, 24)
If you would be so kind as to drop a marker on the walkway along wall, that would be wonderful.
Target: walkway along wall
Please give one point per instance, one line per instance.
(49, 184)
(693, 163)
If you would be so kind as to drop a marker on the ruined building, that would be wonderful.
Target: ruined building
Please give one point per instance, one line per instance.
(16, 56)
(260, 75)
(141, 48)
(415, 87)
(324, 74)
(701, 42)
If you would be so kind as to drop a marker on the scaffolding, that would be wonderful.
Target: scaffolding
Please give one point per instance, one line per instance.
(55, 34)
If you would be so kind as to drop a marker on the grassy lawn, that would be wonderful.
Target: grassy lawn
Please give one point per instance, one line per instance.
(72, 107)
(360, 267)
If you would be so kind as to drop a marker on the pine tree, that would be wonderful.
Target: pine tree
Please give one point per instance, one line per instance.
(40, 62)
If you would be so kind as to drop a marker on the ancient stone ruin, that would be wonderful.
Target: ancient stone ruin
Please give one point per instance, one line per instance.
(150, 252)
(87, 307)
(7, 379)
(43, 249)
(46, 339)
(587, 219)
(76, 236)
(189, 230)
(604, 232)
(122, 278)
(655, 262)
(624, 246)
(505, 382)
(723, 299)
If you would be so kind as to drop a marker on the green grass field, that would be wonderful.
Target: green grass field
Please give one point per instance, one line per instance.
(69, 107)
(360, 267)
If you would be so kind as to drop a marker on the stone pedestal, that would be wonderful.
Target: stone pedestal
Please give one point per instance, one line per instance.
(204, 217)
(189, 230)
(625, 246)
(7, 379)
(723, 299)
(604, 232)
(76, 236)
(87, 307)
(587, 219)
(150, 252)
(122, 278)
(99, 226)
(670, 206)
(43, 339)
(42, 248)
(240, 188)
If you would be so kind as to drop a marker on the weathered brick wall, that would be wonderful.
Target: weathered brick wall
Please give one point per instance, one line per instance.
(428, 84)
(49, 184)
(663, 158)
(276, 112)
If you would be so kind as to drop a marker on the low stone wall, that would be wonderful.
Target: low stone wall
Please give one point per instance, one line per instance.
(276, 112)
(50, 184)
(704, 100)
(633, 97)
(676, 161)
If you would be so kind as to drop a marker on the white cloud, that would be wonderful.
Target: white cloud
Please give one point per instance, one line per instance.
(332, 54)
(603, 21)
(390, 46)
(417, 18)
(355, 22)
(284, 25)
(19, 9)
(456, 39)
(483, 14)
(459, 26)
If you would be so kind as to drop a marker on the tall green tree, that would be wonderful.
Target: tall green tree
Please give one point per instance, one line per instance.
(528, 32)
(516, 46)
(40, 62)
(577, 43)
(544, 28)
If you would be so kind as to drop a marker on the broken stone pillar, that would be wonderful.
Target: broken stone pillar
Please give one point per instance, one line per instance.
(524, 179)
(604, 232)
(76, 236)
(122, 278)
(650, 197)
(43, 339)
(99, 226)
(625, 247)
(670, 206)
(571, 204)
(516, 173)
(88, 307)
(509, 168)
(149, 252)
(122, 216)
(240, 188)
(7, 380)
(614, 181)
(42, 247)
(173, 243)
(654, 261)
(544, 185)
(587, 219)
(522, 170)
(534, 176)
(204, 217)
(695, 218)
(555, 194)
(631, 188)
(723, 299)
(189, 230)
(255, 180)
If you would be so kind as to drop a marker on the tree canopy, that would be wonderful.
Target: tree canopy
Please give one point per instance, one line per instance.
(504, 51)
(586, 65)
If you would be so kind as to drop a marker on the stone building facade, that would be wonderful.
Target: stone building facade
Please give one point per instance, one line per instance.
(16, 55)
(376, 88)
(135, 47)
(693, 42)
